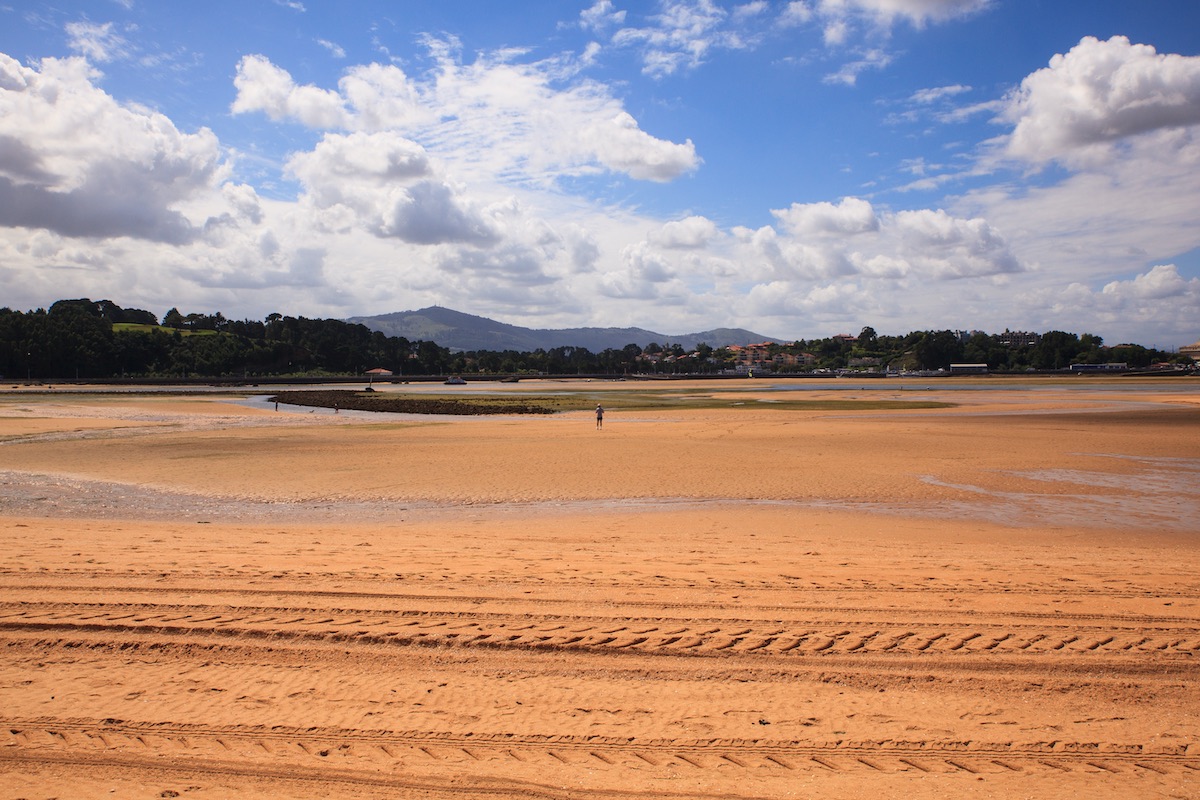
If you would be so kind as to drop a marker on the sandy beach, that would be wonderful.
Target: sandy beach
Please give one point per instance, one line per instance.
(203, 597)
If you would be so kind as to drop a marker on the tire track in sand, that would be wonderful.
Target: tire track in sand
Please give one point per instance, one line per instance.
(370, 751)
(1160, 641)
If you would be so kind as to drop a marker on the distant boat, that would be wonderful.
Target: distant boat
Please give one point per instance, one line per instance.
(454, 380)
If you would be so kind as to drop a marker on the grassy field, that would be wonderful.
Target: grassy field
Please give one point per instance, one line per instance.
(142, 328)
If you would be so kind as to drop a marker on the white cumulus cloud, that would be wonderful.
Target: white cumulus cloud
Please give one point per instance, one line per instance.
(1161, 282)
(852, 215)
(823, 241)
(262, 86)
(688, 233)
(1156, 304)
(493, 116)
(75, 161)
(1097, 93)
(387, 184)
(1123, 121)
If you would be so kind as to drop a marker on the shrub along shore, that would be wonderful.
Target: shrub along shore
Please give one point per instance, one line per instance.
(360, 401)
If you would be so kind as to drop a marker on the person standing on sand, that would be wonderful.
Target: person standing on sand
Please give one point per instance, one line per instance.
(599, 416)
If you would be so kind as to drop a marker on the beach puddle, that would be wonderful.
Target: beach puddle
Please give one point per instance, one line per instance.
(1157, 493)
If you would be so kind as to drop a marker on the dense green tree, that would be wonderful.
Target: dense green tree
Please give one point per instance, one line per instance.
(431, 359)
(984, 349)
(76, 341)
(937, 350)
(139, 316)
(1134, 355)
(141, 353)
(1056, 350)
(77, 338)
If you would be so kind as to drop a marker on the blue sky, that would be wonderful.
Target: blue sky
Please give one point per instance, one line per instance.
(797, 167)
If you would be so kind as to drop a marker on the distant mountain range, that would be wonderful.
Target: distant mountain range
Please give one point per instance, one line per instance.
(459, 331)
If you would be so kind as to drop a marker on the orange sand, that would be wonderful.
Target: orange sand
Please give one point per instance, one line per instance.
(203, 600)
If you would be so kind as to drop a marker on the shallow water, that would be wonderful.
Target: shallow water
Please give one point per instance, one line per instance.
(1159, 493)
(1154, 499)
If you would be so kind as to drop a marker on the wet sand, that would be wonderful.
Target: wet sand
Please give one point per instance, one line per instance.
(214, 599)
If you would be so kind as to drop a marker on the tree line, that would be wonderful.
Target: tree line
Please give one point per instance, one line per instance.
(91, 340)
